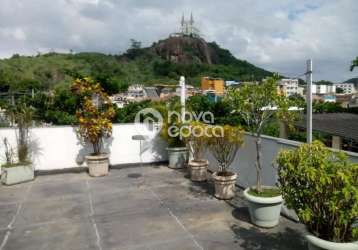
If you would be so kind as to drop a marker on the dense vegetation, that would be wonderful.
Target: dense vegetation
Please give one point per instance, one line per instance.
(116, 72)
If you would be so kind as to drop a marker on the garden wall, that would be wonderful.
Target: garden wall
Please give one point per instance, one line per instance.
(56, 148)
(244, 163)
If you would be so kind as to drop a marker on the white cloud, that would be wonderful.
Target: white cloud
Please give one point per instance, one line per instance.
(278, 35)
(15, 33)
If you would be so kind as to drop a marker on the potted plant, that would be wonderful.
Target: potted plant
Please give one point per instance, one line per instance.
(257, 104)
(224, 142)
(322, 187)
(197, 142)
(171, 132)
(21, 169)
(94, 116)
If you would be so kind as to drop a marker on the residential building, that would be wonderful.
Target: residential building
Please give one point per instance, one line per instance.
(231, 83)
(288, 87)
(347, 88)
(167, 92)
(341, 127)
(213, 84)
(135, 91)
(189, 90)
(322, 89)
(329, 98)
(151, 93)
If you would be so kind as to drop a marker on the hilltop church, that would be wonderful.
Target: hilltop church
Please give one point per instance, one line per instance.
(187, 28)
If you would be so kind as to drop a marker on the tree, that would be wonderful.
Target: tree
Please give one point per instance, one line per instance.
(135, 44)
(298, 98)
(134, 49)
(354, 63)
(339, 90)
(324, 82)
(257, 104)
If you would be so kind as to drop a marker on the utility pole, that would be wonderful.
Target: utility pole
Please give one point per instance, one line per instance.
(309, 100)
(12, 99)
(182, 97)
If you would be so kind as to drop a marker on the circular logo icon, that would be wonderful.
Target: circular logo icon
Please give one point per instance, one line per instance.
(148, 122)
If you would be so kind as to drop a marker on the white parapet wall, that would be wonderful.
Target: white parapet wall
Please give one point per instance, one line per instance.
(244, 163)
(55, 148)
(58, 147)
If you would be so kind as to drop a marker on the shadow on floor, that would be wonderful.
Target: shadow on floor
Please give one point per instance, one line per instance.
(241, 214)
(261, 239)
(205, 189)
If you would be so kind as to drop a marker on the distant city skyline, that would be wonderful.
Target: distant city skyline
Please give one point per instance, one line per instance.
(276, 35)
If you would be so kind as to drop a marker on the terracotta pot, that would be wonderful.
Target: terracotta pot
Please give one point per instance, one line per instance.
(198, 170)
(224, 185)
(264, 211)
(97, 165)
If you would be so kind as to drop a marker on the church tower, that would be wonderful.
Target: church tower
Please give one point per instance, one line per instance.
(191, 24)
(187, 27)
(182, 24)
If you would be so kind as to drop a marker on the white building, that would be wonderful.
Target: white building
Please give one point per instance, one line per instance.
(289, 87)
(322, 89)
(135, 91)
(348, 88)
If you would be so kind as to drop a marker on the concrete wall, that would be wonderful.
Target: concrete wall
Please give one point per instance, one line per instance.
(244, 163)
(56, 148)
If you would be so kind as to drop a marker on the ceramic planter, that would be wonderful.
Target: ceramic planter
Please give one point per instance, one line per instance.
(224, 185)
(178, 157)
(264, 211)
(198, 170)
(18, 174)
(315, 243)
(97, 165)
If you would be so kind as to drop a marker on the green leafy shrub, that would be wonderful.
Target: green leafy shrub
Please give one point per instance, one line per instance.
(322, 187)
(95, 113)
(128, 112)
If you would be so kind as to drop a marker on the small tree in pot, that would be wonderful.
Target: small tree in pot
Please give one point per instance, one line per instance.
(257, 104)
(94, 117)
(171, 132)
(322, 187)
(224, 142)
(197, 141)
(20, 115)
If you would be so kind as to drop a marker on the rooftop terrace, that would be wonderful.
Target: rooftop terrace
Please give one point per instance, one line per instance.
(148, 207)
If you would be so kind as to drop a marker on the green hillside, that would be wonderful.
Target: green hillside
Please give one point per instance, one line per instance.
(163, 62)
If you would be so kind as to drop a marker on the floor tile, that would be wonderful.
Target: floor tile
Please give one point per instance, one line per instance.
(70, 235)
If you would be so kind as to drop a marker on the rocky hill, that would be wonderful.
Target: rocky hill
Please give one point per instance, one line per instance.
(185, 50)
(163, 62)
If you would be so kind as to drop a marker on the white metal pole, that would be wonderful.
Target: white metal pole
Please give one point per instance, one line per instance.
(182, 97)
(309, 100)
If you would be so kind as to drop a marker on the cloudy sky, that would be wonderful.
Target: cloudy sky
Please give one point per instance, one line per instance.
(278, 35)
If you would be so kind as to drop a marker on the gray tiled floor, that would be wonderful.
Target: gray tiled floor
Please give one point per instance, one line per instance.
(132, 208)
